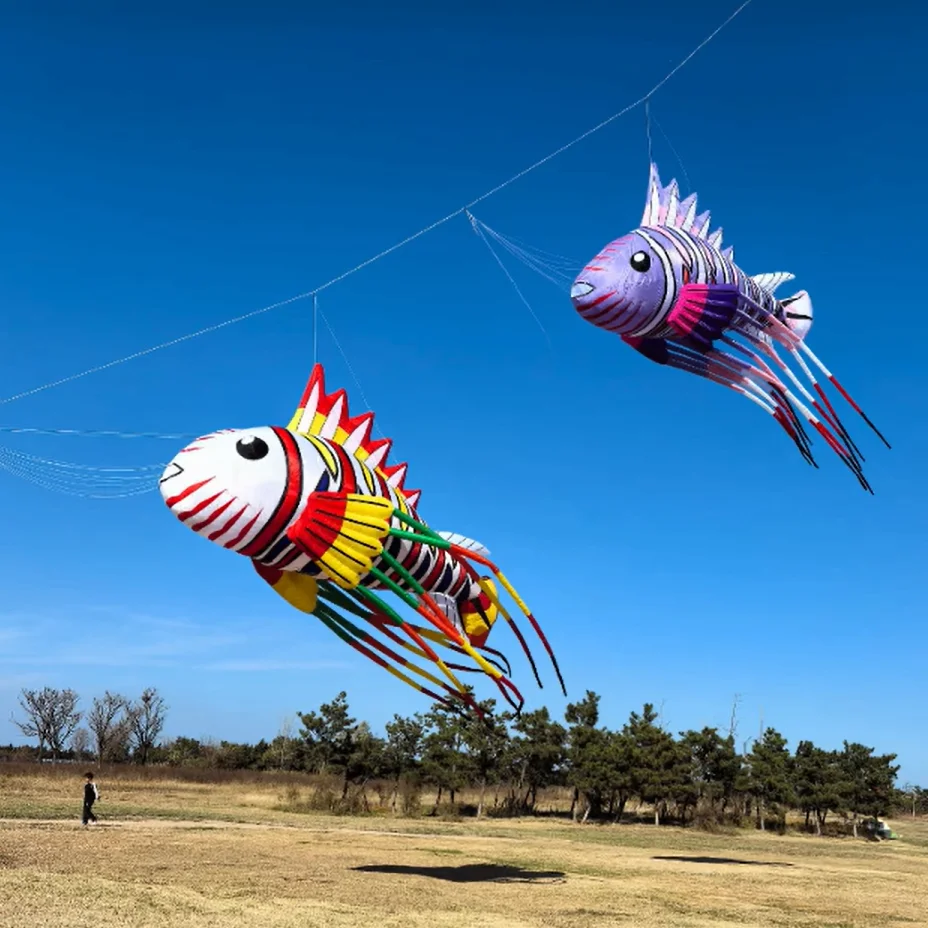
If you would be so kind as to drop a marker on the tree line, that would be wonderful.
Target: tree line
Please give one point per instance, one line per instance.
(116, 728)
(507, 763)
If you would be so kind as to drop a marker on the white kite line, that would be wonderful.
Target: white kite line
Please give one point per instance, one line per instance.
(387, 251)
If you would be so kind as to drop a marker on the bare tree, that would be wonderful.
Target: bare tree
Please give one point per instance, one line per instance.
(80, 743)
(109, 724)
(51, 717)
(733, 721)
(147, 721)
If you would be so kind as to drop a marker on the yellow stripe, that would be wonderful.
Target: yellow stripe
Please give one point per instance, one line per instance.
(368, 478)
(295, 421)
(403, 677)
(486, 667)
(424, 673)
(512, 592)
(411, 647)
(325, 453)
(339, 437)
(437, 637)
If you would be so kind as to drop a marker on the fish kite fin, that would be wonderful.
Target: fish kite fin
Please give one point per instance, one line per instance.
(462, 542)
(654, 349)
(798, 310)
(300, 590)
(770, 282)
(326, 415)
(702, 312)
(343, 533)
(663, 207)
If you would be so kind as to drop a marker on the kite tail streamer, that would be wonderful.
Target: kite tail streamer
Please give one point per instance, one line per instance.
(464, 553)
(425, 535)
(793, 343)
(337, 624)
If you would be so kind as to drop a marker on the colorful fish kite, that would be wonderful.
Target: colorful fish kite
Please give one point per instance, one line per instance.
(326, 522)
(674, 294)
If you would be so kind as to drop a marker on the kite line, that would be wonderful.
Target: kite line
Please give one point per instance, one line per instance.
(387, 251)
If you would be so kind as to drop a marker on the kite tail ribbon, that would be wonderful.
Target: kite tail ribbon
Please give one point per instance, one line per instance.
(425, 535)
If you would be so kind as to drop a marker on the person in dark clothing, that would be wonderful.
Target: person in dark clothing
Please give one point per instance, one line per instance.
(90, 797)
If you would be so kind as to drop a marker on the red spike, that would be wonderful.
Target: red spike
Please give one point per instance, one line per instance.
(393, 470)
(326, 403)
(317, 376)
(350, 425)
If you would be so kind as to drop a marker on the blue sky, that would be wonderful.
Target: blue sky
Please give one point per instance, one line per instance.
(161, 172)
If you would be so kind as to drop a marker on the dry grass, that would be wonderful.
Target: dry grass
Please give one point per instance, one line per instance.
(176, 854)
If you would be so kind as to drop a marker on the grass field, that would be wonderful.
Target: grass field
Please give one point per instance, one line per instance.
(177, 854)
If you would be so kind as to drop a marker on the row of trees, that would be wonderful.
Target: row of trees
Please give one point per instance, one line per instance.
(115, 729)
(508, 763)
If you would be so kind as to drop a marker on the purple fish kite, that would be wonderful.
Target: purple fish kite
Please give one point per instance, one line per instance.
(674, 294)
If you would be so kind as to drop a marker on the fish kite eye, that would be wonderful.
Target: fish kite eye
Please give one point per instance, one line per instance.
(251, 448)
(640, 261)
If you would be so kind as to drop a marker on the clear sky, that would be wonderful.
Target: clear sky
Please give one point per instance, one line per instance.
(163, 171)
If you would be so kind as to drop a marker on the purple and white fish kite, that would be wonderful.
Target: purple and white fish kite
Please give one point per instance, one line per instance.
(674, 294)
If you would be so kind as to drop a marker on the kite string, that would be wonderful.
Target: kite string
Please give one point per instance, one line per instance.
(387, 251)
(647, 129)
(96, 433)
(676, 155)
(315, 327)
(505, 270)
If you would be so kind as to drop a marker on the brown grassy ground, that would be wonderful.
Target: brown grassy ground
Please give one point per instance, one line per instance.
(176, 854)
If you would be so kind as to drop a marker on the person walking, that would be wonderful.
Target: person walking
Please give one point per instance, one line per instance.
(91, 794)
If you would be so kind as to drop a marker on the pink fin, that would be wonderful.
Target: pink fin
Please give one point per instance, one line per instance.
(703, 311)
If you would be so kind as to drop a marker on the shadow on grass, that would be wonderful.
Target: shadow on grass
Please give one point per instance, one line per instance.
(721, 860)
(469, 873)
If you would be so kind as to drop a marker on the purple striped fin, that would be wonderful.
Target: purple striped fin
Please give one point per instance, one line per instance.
(664, 207)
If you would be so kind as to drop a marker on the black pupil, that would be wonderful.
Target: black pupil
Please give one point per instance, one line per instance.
(251, 448)
(641, 261)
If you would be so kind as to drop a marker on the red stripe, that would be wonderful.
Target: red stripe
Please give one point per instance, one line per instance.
(216, 513)
(599, 299)
(349, 480)
(290, 499)
(244, 531)
(410, 560)
(436, 571)
(289, 559)
(172, 501)
(227, 525)
(603, 313)
(183, 516)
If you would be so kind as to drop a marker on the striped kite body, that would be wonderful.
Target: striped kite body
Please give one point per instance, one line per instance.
(672, 292)
(329, 525)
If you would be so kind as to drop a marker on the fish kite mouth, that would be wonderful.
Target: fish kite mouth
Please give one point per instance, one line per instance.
(172, 470)
(580, 289)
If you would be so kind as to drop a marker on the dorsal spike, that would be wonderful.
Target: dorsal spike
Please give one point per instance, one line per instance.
(687, 213)
(396, 474)
(701, 224)
(770, 282)
(359, 431)
(664, 207)
(327, 415)
(334, 414)
(671, 205)
(652, 206)
(377, 452)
